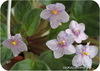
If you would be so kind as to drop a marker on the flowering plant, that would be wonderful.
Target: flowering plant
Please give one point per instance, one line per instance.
(49, 35)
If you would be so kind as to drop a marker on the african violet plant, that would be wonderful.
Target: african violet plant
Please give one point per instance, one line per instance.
(69, 36)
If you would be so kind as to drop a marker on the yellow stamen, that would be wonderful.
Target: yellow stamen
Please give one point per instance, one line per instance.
(13, 43)
(85, 53)
(54, 12)
(61, 42)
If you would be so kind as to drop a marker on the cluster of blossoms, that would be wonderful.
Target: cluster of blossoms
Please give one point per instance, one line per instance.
(56, 13)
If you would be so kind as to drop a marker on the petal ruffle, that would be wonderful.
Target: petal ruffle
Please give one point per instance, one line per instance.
(77, 60)
(69, 50)
(74, 25)
(63, 16)
(18, 36)
(58, 53)
(54, 21)
(7, 43)
(45, 14)
(82, 26)
(83, 36)
(87, 62)
(92, 50)
(78, 39)
(50, 6)
(15, 51)
(22, 46)
(52, 44)
(79, 49)
(69, 31)
(60, 6)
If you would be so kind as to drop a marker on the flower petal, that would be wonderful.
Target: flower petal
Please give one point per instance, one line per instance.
(50, 6)
(92, 50)
(54, 21)
(63, 35)
(79, 49)
(83, 36)
(77, 39)
(82, 26)
(18, 36)
(15, 51)
(74, 25)
(69, 31)
(58, 53)
(52, 44)
(87, 62)
(77, 60)
(60, 6)
(69, 50)
(7, 43)
(45, 14)
(22, 46)
(64, 17)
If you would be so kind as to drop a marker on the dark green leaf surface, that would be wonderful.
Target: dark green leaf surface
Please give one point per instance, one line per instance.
(30, 65)
(23, 65)
(4, 7)
(6, 54)
(56, 64)
(40, 65)
(20, 9)
(31, 21)
(87, 12)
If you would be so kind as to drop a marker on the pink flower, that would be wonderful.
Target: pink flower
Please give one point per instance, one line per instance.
(77, 31)
(55, 13)
(16, 44)
(84, 55)
(62, 45)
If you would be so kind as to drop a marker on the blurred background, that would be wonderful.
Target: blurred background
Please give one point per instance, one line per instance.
(25, 19)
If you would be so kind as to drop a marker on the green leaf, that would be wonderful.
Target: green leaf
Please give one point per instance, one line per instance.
(40, 65)
(20, 9)
(28, 64)
(31, 21)
(4, 7)
(56, 64)
(23, 65)
(87, 12)
(3, 31)
(6, 55)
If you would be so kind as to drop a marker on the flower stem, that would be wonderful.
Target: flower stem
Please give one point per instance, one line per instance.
(8, 19)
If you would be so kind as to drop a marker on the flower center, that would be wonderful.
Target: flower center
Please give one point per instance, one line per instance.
(13, 43)
(76, 32)
(62, 42)
(54, 11)
(85, 53)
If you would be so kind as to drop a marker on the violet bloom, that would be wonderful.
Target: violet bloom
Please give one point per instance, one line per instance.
(62, 45)
(77, 31)
(55, 13)
(84, 55)
(16, 44)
